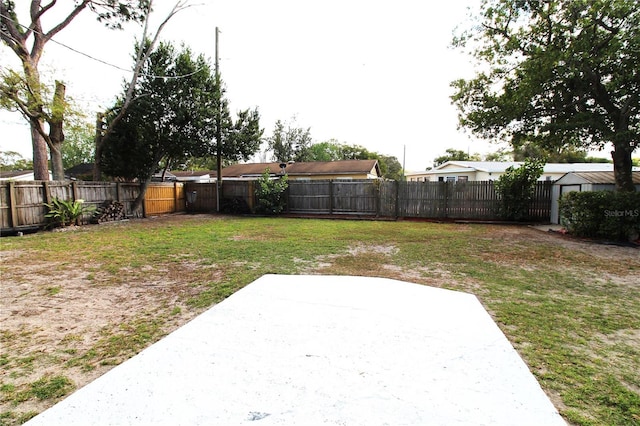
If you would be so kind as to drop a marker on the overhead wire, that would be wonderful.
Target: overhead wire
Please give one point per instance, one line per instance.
(102, 61)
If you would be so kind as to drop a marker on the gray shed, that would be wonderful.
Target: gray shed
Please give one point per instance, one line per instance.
(583, 181)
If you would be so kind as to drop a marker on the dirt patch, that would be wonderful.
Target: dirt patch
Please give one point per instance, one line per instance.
(52, 313)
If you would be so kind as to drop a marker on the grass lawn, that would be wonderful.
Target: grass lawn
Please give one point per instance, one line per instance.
(76, 303)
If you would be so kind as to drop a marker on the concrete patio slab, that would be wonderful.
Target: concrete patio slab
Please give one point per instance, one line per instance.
(311, 350)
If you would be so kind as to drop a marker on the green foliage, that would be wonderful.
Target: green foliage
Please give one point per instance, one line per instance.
(270, 194)
(290, 143)
(174, 119)
(332, 150)
(557, 74)
(601, 214)
(79, 144)
(455, 155)
(11, 160)
(66, 212)
(516, 189)
(169, 119)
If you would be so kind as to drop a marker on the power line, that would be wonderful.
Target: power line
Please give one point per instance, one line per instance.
(102, 61)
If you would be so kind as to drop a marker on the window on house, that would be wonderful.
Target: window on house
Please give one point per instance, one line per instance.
(451, 178)
(463, 178)
(440, 179)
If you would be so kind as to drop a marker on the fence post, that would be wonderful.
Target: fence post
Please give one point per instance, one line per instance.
(397, 212)
(74, 191)
(46, 192)
(330, 196)
(13, 212)
(175, 197)
(251, 195)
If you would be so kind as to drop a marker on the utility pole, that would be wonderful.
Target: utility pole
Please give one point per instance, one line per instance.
(218, 128)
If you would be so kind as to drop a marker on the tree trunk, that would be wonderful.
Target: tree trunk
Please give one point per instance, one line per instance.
(623, 166)
(137, 209)
(56, 134)
(40, 157)
(97, 168)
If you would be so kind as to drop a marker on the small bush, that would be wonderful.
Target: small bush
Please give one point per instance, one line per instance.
(516, 188)
(610, 215)
(64, 213)
(270, 194)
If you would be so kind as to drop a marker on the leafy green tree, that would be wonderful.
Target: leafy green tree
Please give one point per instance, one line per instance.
(24, 91)
(11, 160)
(516, 188)
(270, 194)
(330, 150)
(390, 167)
(78, 147)
(175, 117)
(559, 73)
(453, 154)
(169, 119)
(290, 143)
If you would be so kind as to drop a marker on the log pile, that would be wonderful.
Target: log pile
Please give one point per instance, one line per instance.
(109, 211)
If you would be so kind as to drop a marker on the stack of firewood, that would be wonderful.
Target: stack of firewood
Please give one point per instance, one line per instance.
(110, 210)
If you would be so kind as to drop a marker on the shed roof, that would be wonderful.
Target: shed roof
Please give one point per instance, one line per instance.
(601, 177)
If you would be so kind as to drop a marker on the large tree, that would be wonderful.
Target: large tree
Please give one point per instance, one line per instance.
(173, 116)
(558, 73)
(453, 154)
(24, 89)
(290, 143)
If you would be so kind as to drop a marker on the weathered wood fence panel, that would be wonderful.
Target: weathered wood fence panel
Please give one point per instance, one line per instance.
(309, 197)
(22, 202)
(205, 198)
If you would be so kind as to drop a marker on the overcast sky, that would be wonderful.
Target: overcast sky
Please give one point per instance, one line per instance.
(371, 73)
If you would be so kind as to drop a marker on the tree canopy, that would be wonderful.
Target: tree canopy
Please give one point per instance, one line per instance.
(290, 143)
(177, 111)
(24, 91)
(169, 118)
(453, 154)
(558, 73)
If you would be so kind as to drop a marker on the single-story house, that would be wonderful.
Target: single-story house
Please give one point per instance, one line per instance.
(466, 171)
(163, 177)
(201, 176)
(19, 175)
(583, 181)
(344, 169)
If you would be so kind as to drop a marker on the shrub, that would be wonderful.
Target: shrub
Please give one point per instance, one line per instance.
(64, 213)
(516, 188)
(611, 215)
(270, 194)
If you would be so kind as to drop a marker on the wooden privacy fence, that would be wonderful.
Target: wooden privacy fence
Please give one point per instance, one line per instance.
(430, 200)
(22, 203)
(163, 198)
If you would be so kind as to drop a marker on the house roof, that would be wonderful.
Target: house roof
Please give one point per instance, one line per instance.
(13, 174)
(314, 168)
(501, 167)
(192, 173)
(603, 177)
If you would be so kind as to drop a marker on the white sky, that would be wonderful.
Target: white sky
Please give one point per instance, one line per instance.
(372, 73)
